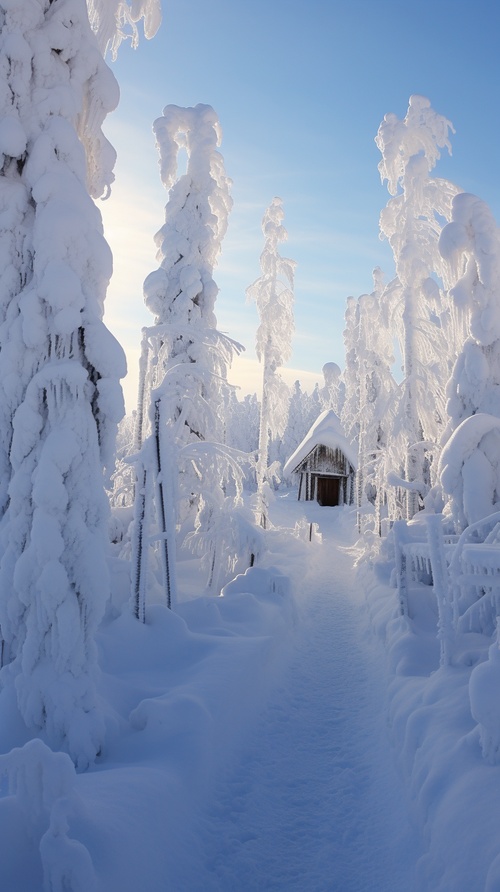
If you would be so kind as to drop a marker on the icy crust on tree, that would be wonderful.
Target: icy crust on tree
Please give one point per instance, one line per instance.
(51, 67)
(116, 20)
(54, 564)
(326, 431)
(60, 397)
(421, 135)
(471, 245)
(55, 262)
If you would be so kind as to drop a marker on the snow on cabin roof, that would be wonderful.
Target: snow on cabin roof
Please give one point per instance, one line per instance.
(326, 431)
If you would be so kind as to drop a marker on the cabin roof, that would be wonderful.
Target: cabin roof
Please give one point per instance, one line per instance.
(326, 431)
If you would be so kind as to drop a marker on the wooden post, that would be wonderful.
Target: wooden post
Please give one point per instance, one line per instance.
(441, 585)
(399, 529)
(139, 547)
(165, 511)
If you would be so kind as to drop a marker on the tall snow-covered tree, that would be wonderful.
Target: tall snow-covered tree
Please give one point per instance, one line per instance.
(412, 222)
(184, 343)
(60, 397)
(185, 359)
(351, 377)
(368, 388)
(471, 245)
(273, 294)
(376, 391)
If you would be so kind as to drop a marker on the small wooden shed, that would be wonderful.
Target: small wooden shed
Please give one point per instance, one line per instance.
(326, 463)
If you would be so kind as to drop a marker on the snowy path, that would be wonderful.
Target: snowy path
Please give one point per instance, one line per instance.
(313, 803)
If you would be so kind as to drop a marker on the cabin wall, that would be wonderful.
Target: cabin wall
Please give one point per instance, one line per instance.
(325, 462)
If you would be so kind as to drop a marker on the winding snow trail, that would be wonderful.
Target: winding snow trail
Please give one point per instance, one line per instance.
(314, 803)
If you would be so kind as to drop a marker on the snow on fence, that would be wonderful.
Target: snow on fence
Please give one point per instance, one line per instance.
(307, 532)
(475, 577)
(463, 571)
(413, 555)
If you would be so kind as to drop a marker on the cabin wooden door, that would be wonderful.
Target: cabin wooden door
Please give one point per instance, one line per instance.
(328, 490)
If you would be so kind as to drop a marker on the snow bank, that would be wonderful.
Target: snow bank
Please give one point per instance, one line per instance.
(433, 714)
(35, 815)
(177, 694)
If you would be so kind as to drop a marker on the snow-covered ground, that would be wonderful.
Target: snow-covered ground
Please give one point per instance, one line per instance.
(248, 745)
(312, 800)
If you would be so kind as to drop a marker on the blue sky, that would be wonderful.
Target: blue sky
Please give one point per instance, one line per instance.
(300, 91)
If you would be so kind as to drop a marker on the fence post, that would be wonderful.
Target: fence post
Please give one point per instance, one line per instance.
(441, 586)
(401, 577)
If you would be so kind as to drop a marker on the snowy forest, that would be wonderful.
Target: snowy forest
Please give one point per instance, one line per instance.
(191, 614)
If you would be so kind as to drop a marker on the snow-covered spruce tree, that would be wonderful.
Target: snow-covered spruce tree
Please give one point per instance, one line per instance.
(184, 358)
(242, 430)
(376, 388)
(412, 222)
(273, 294)
(242, 423)
(315, 404)
(333, 392)
(368, 387)
(353, 348)
(123, 477)
(296, 423)
(469, 466)
(60, 397)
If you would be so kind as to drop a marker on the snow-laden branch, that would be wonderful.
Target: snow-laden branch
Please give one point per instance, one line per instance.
(114, 21)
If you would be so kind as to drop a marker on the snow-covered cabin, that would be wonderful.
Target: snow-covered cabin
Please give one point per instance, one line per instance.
(326, 462)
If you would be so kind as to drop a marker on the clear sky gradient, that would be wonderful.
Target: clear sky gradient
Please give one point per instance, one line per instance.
(300, 90)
